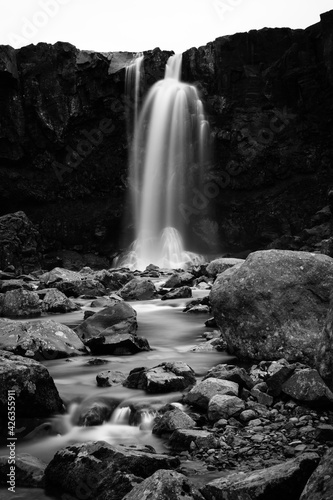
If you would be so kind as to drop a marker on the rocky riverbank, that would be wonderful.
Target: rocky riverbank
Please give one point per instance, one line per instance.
(257, 429)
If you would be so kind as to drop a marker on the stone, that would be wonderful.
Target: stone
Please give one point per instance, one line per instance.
(72, 283)
(8, 285)
(285, 481)
(308, 387)
(35, 392)
(139, 289)
(276, 381)
(172, 420)
(20, 304)
(231, 372)
(40, 340)
(262, 397)
(324, 357)
(223, 406)
(56, 302)
(20, 243)
(118, 344)
(97, 413)
(183, 292)
(100, 328)
(320, 483)
(166, 377)
(29, 471)
(106, 301)
(274, 305)
(165, 485)
(201, 393)
(247, 416)
(109, 378)
(324, 432)
(182, 439)
(178, 280)
(103, 469)
(218, 266)
(113, 280)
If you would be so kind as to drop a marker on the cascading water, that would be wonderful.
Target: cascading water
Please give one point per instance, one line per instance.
(132, 92)
(171, 137)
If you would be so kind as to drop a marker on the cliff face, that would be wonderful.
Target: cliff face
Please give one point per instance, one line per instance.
(269, 97)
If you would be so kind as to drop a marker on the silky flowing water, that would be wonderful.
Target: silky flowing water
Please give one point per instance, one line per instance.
(171, 334)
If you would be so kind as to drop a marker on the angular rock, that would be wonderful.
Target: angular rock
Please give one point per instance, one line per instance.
(117, 319)
(285, 480)
(56, 302)
(119, 344)
(35, 392)
(178, 280)
(274, 305)
(218, 266)
(113, 280)
(59, 274)
(222, 406)
(110, 378)
(187, 439)
(139, 289)
(40, 340)
(320, 483)
(165, 485)
(201, 393)
(29, 471)
(308, 387)
(20, 304)
(103, 469)
(232, 373)
(8, 285)
(20, 243)
(165, 377)
(172, 420)
(183, 292)
(276, 381)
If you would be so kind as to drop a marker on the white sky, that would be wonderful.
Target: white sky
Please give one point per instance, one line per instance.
(137, 25)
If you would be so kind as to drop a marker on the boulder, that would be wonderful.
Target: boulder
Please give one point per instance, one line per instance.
(166, 377)
(201, 393)
(103, 471)
(109, 378)
(165, 485)
(218, 266)
(113, 280)
(308, 387)
(59, 274)
(274, 305)
(139, 289)
(119, 318)
(40, 340)
(324, 358)
(29, 471)
(285, 480)
(320, 483)
(72, 283)
(122, 344)
(20, 303)
(231, 372)
(97, 413)
(183, 292)
(35, 392)
(191, 439)
(223, 406)
(179, 279)
(20, 243)
(8, 285)
(171, 420)
(106, 301)
(54, 301)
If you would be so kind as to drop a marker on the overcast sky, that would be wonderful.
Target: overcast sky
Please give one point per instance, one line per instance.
(138, 25)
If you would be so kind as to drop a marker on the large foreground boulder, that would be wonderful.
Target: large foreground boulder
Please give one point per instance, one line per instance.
(165, 485)
(35, 392)
(112, 331)
(285, 480)
(20, 243)
(103, 471)
(274, 305)
(39, 340)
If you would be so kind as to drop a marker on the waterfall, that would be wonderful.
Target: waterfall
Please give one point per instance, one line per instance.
(132, 92)
(171, 137)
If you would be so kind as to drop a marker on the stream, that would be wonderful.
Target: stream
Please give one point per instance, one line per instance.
(171, 333)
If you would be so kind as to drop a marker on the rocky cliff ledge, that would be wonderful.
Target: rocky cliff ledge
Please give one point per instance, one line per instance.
(269, 97)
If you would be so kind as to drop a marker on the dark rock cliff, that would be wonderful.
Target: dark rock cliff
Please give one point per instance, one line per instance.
(269, 97)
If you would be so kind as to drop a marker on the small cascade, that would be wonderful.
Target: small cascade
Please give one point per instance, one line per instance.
(132, 92)
(120, 416)
(171, 137)
(147, 420)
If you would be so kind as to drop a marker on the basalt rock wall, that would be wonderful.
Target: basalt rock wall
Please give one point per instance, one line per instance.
(269, 98)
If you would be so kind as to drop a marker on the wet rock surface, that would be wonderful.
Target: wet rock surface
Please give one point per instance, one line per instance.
(165, 377)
